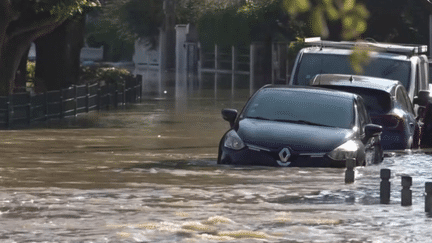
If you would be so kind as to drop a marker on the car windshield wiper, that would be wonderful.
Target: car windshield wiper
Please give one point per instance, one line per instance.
(390, 69)
(259, 118)
(287, 120)
(302, 122)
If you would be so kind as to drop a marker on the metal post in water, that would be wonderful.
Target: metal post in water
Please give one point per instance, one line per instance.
(406, 191)
(349, 173)
(385, 175)
(428, 199)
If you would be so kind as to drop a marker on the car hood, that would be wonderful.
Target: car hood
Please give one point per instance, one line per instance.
(299, 137)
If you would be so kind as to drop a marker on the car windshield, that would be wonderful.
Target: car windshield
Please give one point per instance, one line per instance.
(313, 64)
(377, 102)
(301, 107)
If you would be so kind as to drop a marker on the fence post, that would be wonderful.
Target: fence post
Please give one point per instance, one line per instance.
(108, 94)
(233, 67)
(385, 186)
(46, 106)
(273, 57)
(134, 90)
(200, 62)
(75, 100)
(428, 198)
(61, 103)
(406, 193)
(98, 96)
(140, 89)
(30, 108)
(128, 91)
(115, 94)
(251, 68)
(87, 97)
(124, 92)
(216, 57)
(9, 111)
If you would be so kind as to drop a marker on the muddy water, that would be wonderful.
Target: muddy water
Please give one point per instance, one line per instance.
(148, 173)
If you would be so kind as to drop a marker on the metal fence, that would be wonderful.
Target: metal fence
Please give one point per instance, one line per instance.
(25, 108)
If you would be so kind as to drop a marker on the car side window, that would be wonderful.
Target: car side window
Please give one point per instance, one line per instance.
(401, 98)
(363, 115)
(408, 101)
(416, 90)
(424, 69)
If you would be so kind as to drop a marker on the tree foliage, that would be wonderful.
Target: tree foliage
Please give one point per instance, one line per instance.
(121, 22)
(240, 23)
(23, 21)
(351, 16)
(129, 20)
(399, 21)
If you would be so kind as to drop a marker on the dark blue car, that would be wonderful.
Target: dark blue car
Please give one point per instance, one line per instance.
(387, 103)
(300, 126)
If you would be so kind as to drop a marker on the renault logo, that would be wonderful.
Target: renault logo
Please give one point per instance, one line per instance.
(284, 155)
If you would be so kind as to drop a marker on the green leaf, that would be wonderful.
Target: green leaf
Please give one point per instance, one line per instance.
(362, 11)
(294, 7)
(303, 5)
(348, 5)
(348, 22)
(332, 13)
(318, 23)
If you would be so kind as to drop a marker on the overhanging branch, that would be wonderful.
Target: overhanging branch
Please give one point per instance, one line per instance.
(7, 13)
(44, 25)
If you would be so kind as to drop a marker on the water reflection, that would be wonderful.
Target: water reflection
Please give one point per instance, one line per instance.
(148, 173)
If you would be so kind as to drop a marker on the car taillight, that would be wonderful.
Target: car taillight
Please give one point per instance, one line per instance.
(387, 121)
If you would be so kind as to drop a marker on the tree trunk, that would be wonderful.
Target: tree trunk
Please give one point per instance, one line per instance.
(58, 55)
(21, 74)
(10, 56)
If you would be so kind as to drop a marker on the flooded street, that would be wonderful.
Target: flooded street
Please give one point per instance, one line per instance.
(148, 173)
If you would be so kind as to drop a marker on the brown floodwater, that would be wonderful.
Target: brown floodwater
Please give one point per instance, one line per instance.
(148, 173)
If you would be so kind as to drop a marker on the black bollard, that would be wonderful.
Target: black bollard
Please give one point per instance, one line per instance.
(349, 173)
(385, 186)
(428, 199)
(406, 191)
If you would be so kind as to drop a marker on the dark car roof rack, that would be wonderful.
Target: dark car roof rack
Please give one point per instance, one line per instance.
(405, 49)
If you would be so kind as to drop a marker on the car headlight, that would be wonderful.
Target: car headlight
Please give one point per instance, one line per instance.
(345, 151)
(233, 141)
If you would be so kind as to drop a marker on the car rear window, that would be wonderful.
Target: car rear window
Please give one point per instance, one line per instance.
(285, 104)
(377, 102)
(312, 64)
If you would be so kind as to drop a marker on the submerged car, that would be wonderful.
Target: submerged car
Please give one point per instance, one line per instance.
(387, 103)
(300, 126)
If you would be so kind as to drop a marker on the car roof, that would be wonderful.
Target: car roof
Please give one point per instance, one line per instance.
(386, 85)
(337, 51)
(313, 90)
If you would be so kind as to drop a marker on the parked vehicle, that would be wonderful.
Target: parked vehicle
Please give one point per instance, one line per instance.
(387, 103)
(300, 126)
(406, 63)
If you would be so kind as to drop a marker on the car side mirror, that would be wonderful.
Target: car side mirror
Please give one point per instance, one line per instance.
(229, 115)
(372, 130)
(422, 98)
